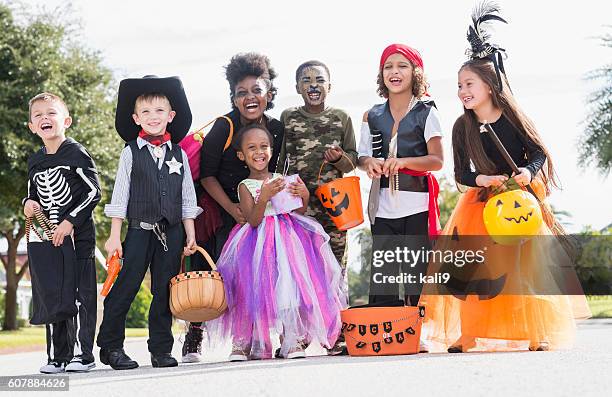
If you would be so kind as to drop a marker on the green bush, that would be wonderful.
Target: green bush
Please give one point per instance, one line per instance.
(137, 316)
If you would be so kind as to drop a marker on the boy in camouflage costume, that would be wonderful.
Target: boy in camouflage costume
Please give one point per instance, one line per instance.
(314, 133)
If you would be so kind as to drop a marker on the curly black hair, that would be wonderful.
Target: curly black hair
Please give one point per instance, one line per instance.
(250, 64)
(237, 141)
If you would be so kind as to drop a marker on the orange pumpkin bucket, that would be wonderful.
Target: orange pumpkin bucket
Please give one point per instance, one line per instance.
(382, 331)
(341, 198)
(199, 295)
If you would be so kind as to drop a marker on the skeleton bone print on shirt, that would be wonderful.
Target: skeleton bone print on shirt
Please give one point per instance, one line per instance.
(53, 190)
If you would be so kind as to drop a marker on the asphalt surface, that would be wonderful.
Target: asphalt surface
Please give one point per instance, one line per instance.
(585, 370)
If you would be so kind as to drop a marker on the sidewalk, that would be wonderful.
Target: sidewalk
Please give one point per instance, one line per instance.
(583, 371)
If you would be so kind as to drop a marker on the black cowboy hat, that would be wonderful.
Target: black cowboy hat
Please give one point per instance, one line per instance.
(171, 87)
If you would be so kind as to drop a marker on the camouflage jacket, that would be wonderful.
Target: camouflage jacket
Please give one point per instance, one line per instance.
(307, 137)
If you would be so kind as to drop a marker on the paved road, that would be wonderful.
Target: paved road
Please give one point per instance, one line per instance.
(583, 371)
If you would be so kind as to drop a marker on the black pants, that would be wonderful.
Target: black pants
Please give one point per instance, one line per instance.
(142, 249)
(415, 228)
(75, 336)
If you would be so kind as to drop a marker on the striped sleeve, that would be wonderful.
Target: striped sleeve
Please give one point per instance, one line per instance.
(117, 208)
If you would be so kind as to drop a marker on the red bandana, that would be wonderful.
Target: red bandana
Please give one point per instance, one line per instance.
(410, 53)
(155, 140)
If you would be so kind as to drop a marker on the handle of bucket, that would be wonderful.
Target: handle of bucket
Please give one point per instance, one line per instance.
(327, 162)
(46, 225)
(202, 251)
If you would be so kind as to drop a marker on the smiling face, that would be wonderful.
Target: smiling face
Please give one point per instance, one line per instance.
(473, 92)
(251, 97)
(397, 74)
(313, 85)
(49, 119)
(153, 115)
(255, 149)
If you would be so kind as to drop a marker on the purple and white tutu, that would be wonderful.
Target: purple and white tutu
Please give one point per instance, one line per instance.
(281, 277)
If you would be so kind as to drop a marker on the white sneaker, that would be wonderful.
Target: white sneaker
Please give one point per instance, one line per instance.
(238, 353)
(423, 347)
(77, 364)
(192, 358)
(296, 352)
(52, 367)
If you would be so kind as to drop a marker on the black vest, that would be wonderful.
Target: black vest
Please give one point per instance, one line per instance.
(410, 139)
(155, 194)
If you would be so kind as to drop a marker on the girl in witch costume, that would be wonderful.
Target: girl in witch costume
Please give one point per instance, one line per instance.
(463, 322)
(279, 270)
(154, 191)
(63, 182)
(400, 144)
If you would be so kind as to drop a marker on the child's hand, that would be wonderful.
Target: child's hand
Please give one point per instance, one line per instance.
(270, 187)
(491, 180)
(63, 230)
(29, 207)
(190, 245)
(392, 166)
(299, 189)
(374, 167)
(524, 178)
(237, 214)
(333, 154)
(113, 244)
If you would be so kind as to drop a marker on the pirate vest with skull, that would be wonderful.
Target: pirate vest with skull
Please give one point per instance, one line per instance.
(155, 194)
(410, 139)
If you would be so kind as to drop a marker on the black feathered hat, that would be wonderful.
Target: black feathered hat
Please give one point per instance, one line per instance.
(170, 87)
(479, 37)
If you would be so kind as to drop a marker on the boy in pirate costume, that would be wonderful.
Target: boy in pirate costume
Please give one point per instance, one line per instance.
(63, 182)
(153, 190)
(313, 133)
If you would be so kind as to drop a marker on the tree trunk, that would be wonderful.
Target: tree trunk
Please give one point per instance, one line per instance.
(10, 309)
(12, 278)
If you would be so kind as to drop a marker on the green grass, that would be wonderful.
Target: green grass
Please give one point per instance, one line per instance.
(23, 337)
(29, 337)
(601, 306)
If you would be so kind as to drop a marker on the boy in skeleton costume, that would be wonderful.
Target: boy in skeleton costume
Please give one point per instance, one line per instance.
(154, 191)
(63, 182)
(313, 133)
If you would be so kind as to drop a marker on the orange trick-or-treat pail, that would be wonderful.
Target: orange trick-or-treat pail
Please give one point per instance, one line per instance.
(341, 198)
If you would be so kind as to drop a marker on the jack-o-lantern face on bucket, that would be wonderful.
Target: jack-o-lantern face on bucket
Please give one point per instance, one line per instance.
(512, 216)
(336, 204)
(341, 198)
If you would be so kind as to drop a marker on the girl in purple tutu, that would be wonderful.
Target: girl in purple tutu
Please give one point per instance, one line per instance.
(279, 271)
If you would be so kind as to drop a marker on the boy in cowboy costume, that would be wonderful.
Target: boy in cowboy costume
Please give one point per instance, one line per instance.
(153, 190)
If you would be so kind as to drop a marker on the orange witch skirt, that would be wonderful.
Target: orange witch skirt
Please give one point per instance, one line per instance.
(508, 321)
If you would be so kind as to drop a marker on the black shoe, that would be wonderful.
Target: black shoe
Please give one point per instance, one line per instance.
(117, 359)
(162, 360)
(192, 347)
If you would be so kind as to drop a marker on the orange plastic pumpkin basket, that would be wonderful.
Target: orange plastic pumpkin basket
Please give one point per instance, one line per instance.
(341, 198)
(199, 295)
(382, 331)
